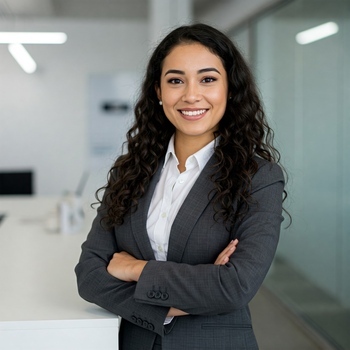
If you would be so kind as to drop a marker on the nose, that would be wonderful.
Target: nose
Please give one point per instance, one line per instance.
(191, 93)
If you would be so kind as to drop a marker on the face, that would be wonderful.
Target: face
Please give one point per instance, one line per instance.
(193, 89)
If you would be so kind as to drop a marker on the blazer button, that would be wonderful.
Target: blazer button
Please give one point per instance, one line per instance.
(139, 321)
(145, 324)
(151, 294)
(134, 319)
(150, 327)
(165, 296)
(157, 295)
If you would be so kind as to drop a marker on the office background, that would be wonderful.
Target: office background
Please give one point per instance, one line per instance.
(44, 121)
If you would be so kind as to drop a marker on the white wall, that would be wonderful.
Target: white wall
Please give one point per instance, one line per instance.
(43, 116)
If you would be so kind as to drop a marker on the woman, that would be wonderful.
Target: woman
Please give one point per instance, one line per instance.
(190, 218)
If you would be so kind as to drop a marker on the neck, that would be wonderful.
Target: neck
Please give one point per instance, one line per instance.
(186, 146)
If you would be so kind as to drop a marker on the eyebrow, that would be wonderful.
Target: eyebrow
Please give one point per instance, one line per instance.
(203, 70)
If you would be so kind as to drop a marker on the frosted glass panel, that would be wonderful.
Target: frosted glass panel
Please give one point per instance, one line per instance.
(306, 89)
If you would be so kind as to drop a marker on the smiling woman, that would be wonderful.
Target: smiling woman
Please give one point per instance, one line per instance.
(193, 89)
(190, 218)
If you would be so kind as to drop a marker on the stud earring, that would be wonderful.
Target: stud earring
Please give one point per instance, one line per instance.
(160, 103)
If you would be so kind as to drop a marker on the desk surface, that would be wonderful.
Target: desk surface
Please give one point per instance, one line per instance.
(37, 268)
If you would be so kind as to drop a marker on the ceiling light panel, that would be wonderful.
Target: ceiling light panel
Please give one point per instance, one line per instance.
(317, 33)
(32, 38)
(23, 58)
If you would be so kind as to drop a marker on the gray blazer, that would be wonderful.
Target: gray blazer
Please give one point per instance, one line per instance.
(216, 297)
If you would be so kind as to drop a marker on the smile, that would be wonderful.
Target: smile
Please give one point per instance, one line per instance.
(193, 113)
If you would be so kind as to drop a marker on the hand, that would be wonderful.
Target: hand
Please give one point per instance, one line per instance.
(125, 267)
(176, 312)
(224, 256)
(222, 259)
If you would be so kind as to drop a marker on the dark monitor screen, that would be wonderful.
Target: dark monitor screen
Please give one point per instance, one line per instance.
(16, 183)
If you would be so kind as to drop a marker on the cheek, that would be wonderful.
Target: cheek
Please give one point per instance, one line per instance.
(169, 112)
(219, 100)
(216, 96)
(170, 96)
(220, 96)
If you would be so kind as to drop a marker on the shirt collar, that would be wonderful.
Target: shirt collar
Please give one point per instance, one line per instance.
(202, 156)
(170, 151)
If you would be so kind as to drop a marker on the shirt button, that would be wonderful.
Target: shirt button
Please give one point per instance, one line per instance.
(163, 215)
(181, 181)
(160, 248)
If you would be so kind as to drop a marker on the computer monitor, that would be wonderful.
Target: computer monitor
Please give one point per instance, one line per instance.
(16, 183)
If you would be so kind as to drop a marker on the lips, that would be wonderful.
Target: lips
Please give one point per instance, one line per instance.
(193, 113)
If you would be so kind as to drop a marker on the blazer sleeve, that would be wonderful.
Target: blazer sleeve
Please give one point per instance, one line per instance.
(208, 289)
(97, 286)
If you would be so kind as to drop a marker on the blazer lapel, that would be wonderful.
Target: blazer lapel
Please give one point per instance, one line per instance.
(197, 200)
(139, 218)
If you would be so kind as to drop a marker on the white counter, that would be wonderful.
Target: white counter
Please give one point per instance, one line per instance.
(39, 304)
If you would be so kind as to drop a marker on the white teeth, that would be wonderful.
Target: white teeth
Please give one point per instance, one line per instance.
(192, 113)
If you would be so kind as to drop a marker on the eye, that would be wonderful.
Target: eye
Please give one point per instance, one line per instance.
(208, 80)
(175, 81)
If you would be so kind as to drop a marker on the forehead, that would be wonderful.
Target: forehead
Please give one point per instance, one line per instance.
(191, 55)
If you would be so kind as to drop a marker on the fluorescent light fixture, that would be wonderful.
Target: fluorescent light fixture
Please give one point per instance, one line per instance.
(317, 33)
(32, 38)
(23, 58)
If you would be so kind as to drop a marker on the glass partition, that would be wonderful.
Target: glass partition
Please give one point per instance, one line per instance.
(306, 90)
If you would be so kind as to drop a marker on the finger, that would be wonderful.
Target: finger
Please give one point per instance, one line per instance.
(230, 248)
(222, 261)
(227, 249)
(231, 251)
(235, 242)
(225, 255)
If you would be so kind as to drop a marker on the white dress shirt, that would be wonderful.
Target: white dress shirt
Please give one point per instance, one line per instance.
(170, 193)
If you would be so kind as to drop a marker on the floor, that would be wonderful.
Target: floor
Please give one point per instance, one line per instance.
(291, 313)
(277, 328)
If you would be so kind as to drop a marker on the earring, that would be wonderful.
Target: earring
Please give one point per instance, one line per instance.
(160, 103)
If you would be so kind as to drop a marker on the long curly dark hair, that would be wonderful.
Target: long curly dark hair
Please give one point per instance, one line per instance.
(243, 130)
